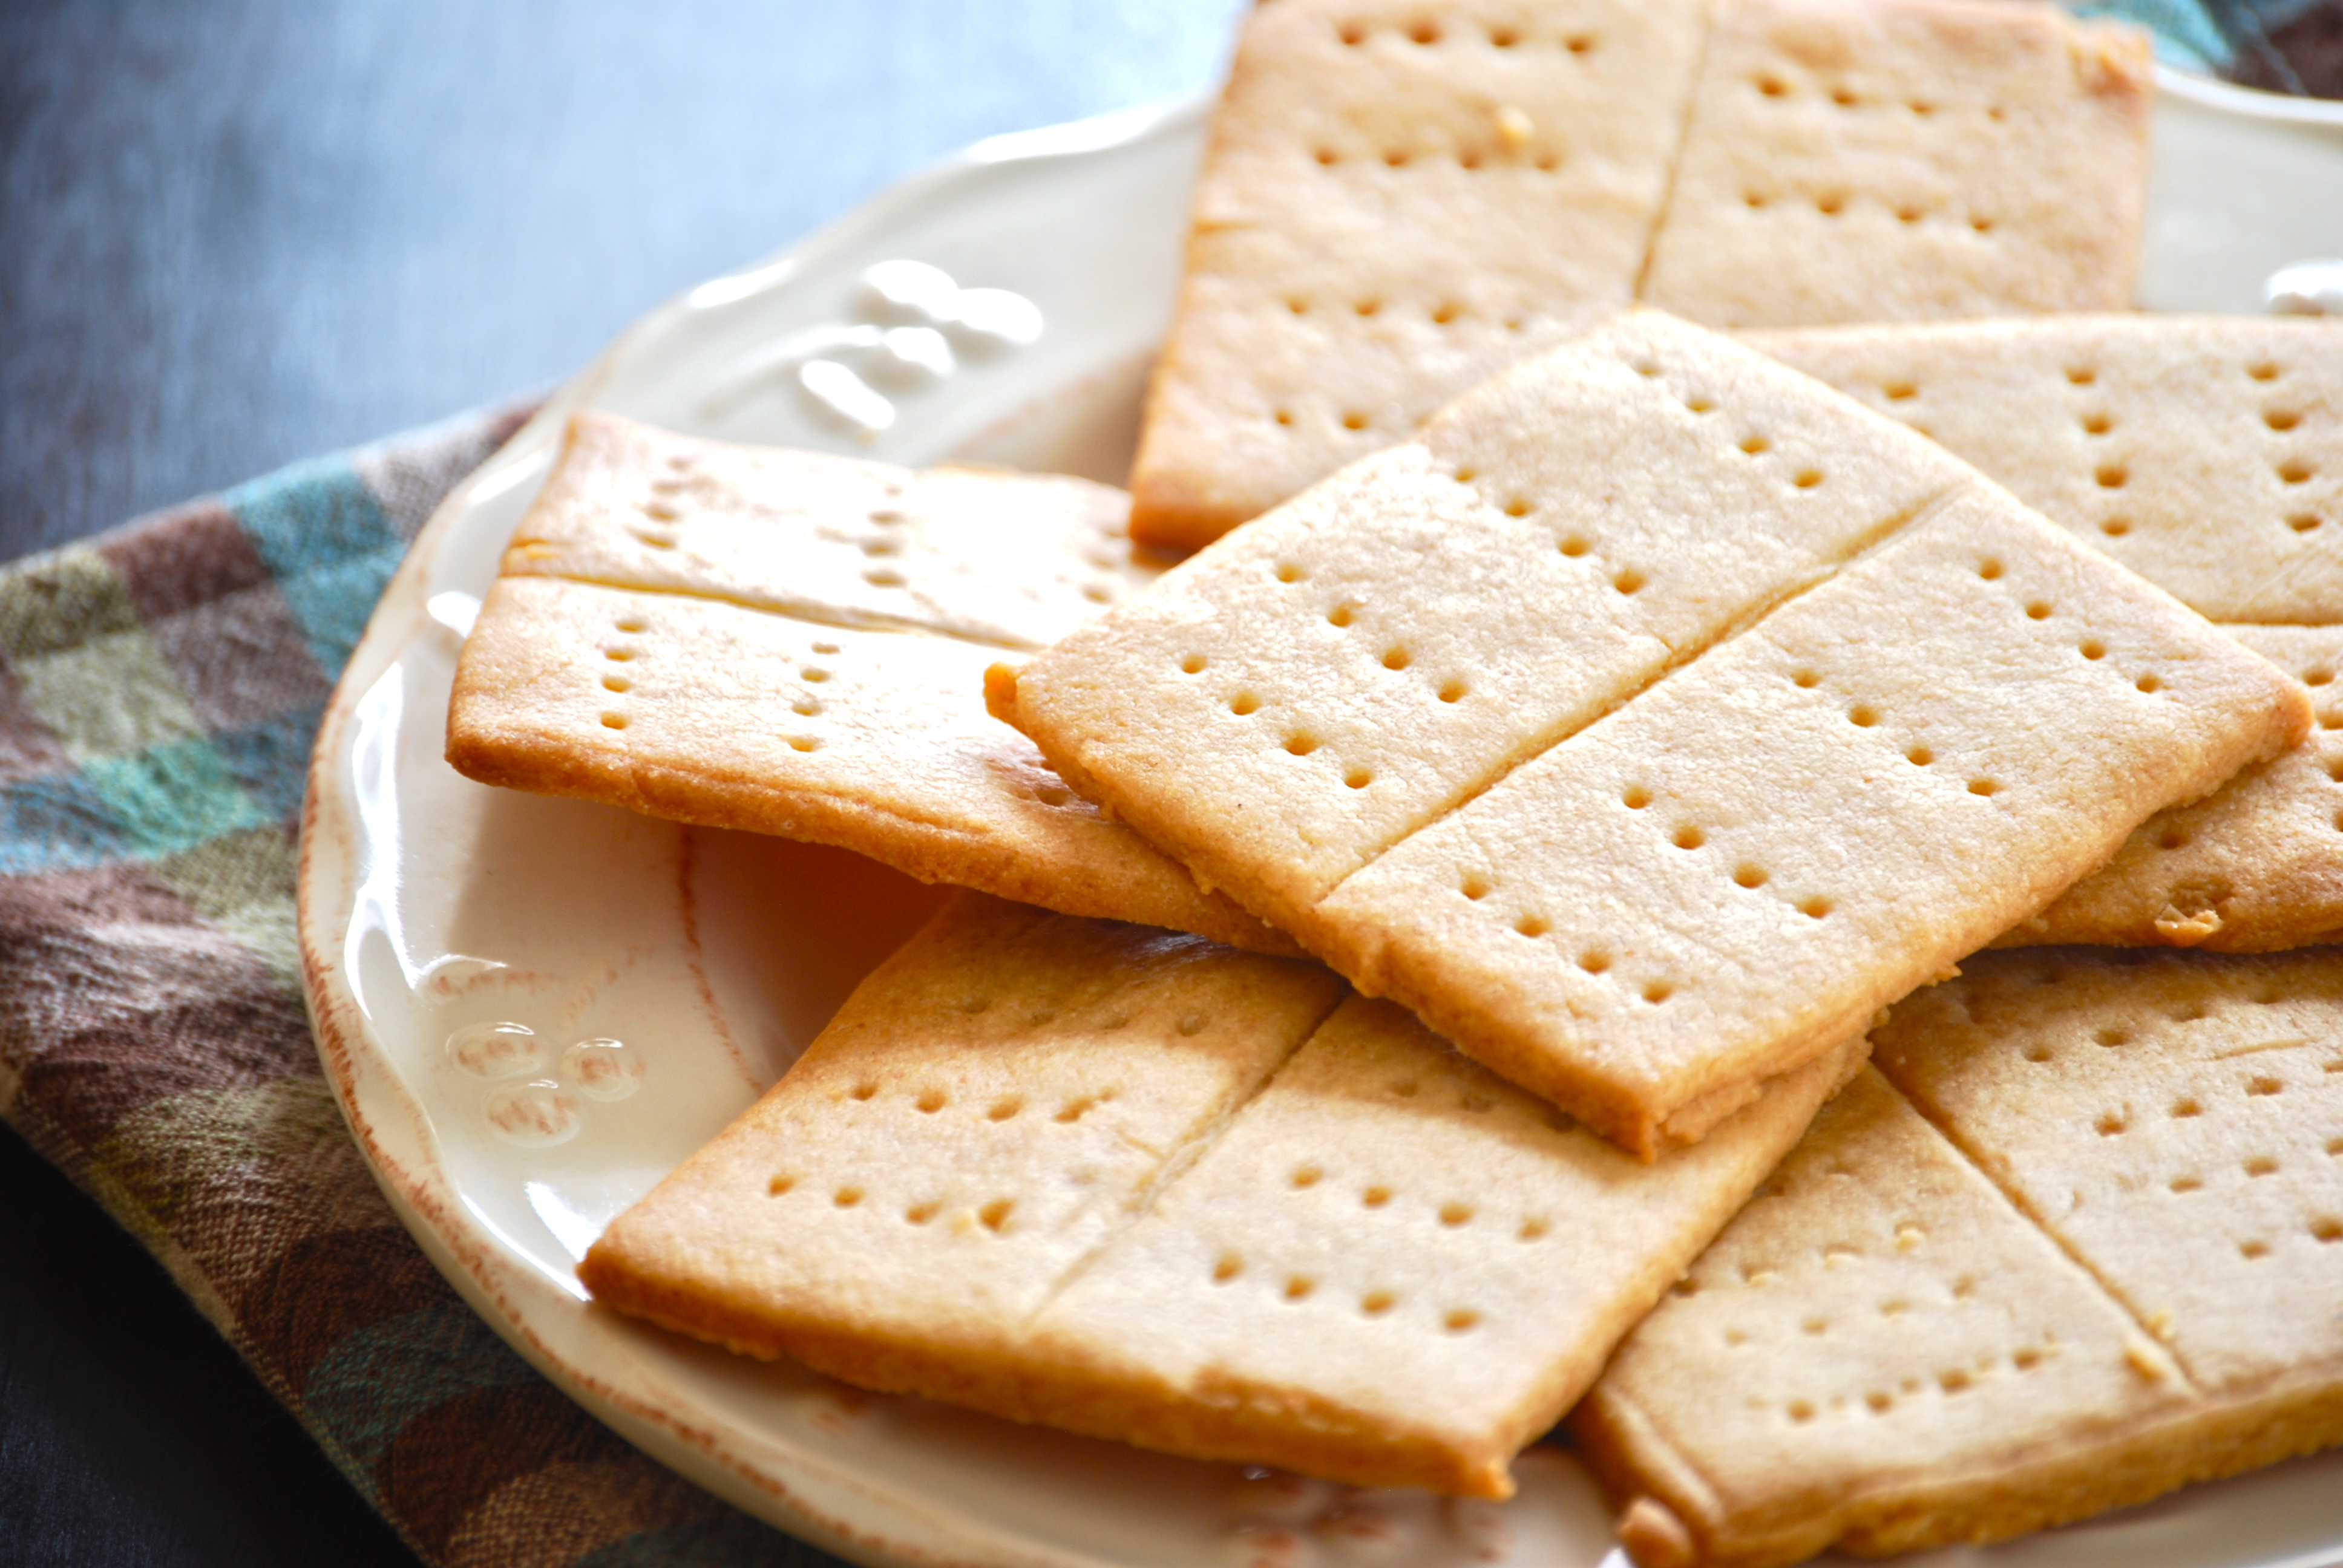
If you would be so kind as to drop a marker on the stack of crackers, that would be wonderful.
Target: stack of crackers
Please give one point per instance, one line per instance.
(1499, 933)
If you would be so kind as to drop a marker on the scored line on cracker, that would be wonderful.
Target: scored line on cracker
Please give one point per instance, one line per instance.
(1397, 202)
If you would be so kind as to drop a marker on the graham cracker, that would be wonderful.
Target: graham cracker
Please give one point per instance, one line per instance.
(1433, 617)
(2098, 1260)
(2203, 453)
(1882, 1354)
(2175, 1120)
(1032, 1168)
(2256, 866)
(1396, 1269)
(1398, 200)
(1016, 560)
(988, 1109)
(745, 674)
(1358, 717)
(1906, 159)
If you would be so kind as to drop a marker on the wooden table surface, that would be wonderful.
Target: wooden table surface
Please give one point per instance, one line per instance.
(240, 233)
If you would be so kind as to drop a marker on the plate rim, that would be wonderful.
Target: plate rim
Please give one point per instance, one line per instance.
(427, 1205)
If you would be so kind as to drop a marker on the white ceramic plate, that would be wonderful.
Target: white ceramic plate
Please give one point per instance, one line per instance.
(1042, 268)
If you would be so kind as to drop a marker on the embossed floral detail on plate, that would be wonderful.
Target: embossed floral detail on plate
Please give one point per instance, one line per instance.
(913, 326)
(543, 1109)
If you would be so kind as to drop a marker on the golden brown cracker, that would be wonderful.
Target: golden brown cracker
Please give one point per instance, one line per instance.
(1032, 1168)
(701, 711)
(1397, 201)
(2077, 1243)
(1016, 560)
(986, 1109)
(1751, 858)
(2256, 866)
(1906, 159)
(1881, 1354)
(1358, 718)
(2203, 453)
(794, 643)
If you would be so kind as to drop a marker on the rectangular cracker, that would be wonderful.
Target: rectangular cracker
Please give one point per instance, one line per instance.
(1445, 611)
(1398, 200)
(982, 1115)
(1750, 859)
(1881, 1354)
(1272, 714)
(1386, 1267)
(2256, 866)
(2173, 1120)
(1016, 560)
(800, 649)
(1906, 159)
(2205, 453)
(2100, 1260)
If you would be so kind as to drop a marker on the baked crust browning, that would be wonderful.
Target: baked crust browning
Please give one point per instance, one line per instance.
(794, 643)
(699, 711)
(2256, 866)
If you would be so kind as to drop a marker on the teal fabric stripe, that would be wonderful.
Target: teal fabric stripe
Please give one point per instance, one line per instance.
(2186, 34)
(56, 825)
(325, 540)
(333, 603)
(376, 1380)
(310, 515)
(271, 760)
(172, 796)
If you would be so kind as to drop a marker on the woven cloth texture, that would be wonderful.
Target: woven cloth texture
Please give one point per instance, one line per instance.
(160, 686)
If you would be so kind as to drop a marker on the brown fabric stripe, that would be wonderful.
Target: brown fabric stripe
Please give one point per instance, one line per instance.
(325, 1287)
(99, 1026)
(241, 657)
(445, 1462)
(191, 556)
(555, 1515)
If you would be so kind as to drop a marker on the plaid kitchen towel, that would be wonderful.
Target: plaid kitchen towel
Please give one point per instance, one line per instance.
(159, 689)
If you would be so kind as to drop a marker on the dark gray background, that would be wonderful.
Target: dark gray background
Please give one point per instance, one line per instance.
(233, 234)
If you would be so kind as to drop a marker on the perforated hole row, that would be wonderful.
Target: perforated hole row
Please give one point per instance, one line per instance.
(1834, 204)
(2089, 645)
(1395, 655)
(621, 653)
(1770, 85)
(993, 1214)
(1425, 33)
(932, 1099)
(1295, 1288)
(1505, 152)
(1750, 443)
